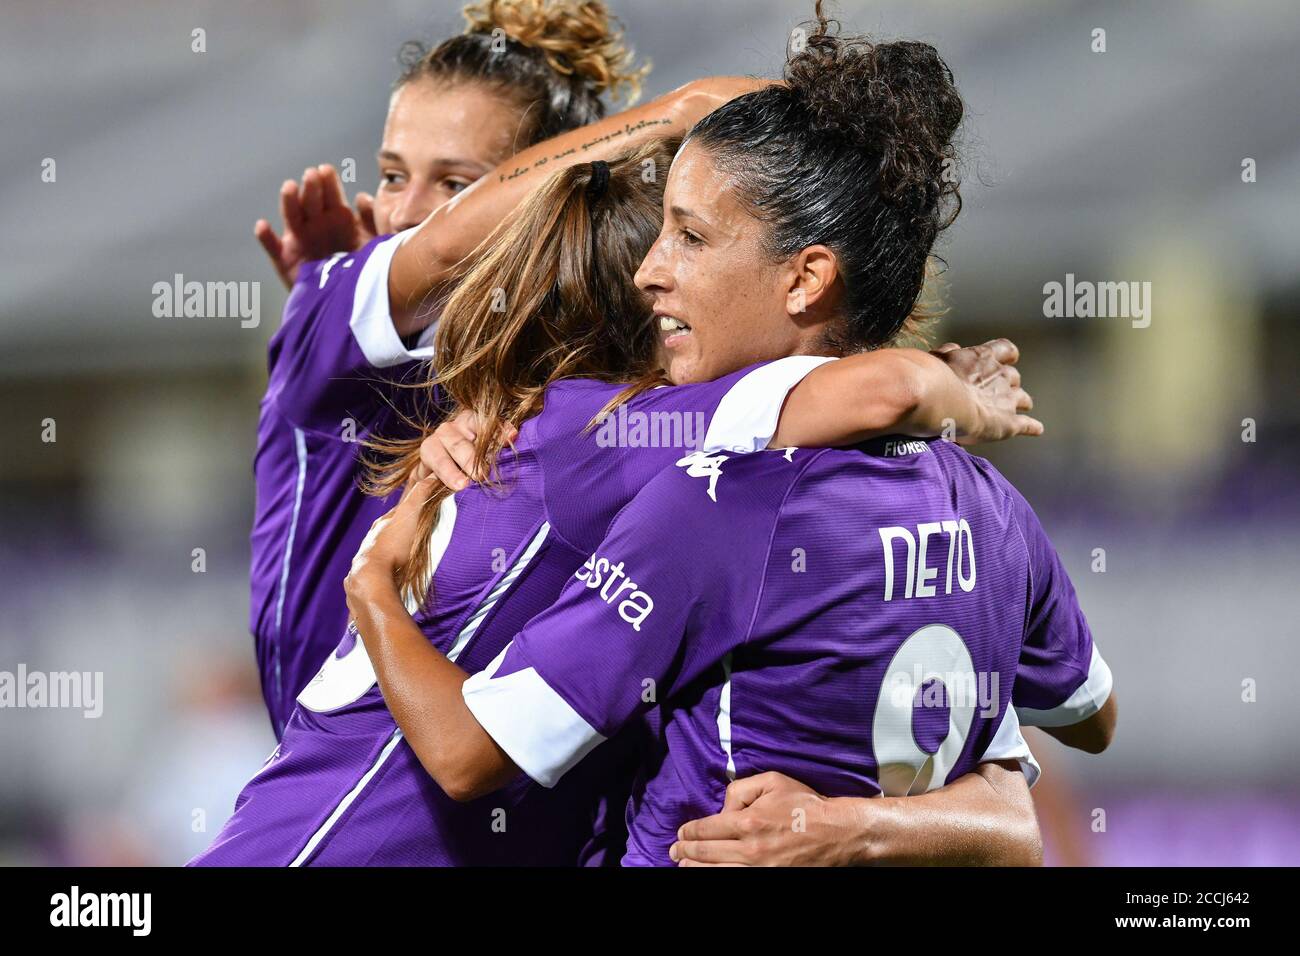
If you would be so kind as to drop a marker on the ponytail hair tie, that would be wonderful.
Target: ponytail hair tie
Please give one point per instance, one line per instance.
(599, 179)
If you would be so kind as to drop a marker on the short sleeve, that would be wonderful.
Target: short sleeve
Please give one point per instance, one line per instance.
(591, 471)
(1062, 678)
(1009, 743)
(371, 320)
(748, 412)
(638, 621)
(337, 347)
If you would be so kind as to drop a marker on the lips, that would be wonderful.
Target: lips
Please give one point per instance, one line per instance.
(673, 332)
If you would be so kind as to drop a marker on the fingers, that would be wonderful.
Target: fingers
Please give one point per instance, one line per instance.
(1024, 401)
(721, 826)
(269, 240)
(469, 422)
(947, 347)
(312, 193)
(436, 455)
(707, 852)
(461, 447)
(274, 249)
(1030, 427)
(1004, 351)
(291, 207)
(741, 793)
(451, 454)
(473, 424)
(693, 863)
(332, 196)
(366, 213)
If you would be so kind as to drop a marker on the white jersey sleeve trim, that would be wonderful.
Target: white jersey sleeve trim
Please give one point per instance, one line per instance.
(1087, 699)
(372, 319)
(543, 735)
(1010, 744)
(746, 418)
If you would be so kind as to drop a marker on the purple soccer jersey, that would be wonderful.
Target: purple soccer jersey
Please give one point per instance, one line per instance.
(856, 619)
(332, 365)
(344, 788)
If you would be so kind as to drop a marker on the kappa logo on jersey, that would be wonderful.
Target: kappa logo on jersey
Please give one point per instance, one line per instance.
(329, 265)
(700, 465)
(634, 608)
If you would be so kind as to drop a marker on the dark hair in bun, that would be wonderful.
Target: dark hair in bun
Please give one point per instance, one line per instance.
(853, 152)
(553, 58)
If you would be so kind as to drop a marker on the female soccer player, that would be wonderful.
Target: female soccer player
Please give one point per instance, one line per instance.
(344, 788)
(524, 72)
(781, 609)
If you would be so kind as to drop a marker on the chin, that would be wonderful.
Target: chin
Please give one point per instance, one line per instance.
(684, 371)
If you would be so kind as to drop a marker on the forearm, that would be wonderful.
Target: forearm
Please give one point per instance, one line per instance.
(941, 401)
(423, 691)
(431, 258)
(884, 392)
(985, 818)
(1093, 734)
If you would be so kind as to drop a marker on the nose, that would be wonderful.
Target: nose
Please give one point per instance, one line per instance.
(652, 276)
(413, 208)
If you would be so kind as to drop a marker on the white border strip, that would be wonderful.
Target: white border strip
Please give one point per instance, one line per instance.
(746, 417)
(1088, 698)
(446, 520)
(1009, 743)
(502, 586)
(347, 801)
(372, 319)
(724, 716)
(300, 448)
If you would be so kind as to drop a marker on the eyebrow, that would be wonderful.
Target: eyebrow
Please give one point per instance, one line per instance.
(682, 213)
(388, 154)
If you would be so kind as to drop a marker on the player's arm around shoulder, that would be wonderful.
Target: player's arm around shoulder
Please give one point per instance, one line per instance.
(423, 689)
(627, 629)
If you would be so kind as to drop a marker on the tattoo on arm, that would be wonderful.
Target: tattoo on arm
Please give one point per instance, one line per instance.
(627, 130)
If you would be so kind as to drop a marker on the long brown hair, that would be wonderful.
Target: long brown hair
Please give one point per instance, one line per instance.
(550, 296)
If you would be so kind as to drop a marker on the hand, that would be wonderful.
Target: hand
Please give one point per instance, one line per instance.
(317, 222)
(449, 453)
(989, 370)
(387, 546)
(768, 820)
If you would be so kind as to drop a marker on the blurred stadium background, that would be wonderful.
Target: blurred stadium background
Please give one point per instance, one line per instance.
(1122, 166)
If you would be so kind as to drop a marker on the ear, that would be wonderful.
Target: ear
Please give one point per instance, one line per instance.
(812, 273)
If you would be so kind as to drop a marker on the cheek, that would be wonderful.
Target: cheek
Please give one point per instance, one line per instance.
(383, 212)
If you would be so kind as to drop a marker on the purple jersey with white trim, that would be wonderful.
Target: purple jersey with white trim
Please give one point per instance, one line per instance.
(852, 618)
(344, 787)
(332, 365)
